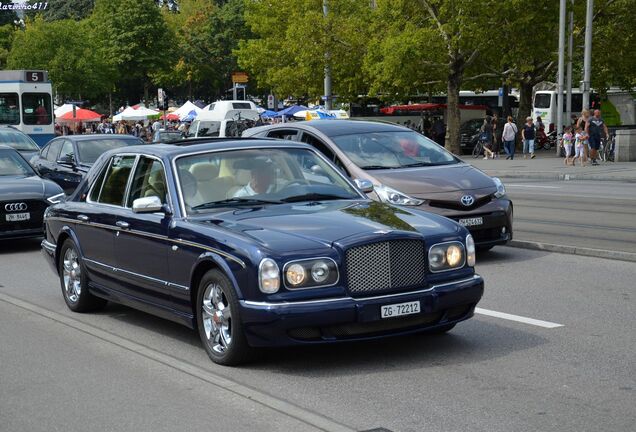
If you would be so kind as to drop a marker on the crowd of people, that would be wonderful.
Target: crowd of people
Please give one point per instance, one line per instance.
(581, 140)
(142, 129)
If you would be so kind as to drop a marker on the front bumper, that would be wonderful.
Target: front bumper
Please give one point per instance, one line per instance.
(347, 318)
(48, 250)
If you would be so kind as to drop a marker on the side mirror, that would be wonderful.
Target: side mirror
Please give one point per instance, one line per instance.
(66, 159)
(151, 204)
(364, 185)
(316, 169)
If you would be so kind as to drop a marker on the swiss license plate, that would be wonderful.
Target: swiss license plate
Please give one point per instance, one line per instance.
(17, 217)
(396, 310)
(471, 221)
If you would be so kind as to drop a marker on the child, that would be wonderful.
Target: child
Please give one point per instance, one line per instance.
(567, 145)
(581, 140)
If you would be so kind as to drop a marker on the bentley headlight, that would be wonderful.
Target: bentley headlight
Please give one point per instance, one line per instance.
(311, 273)
(446, 256)
(501, 189)
(392, 196)
(470, 251)
(268, 276)
(56, 198)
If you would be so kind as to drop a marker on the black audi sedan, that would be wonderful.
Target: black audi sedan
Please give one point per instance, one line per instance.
(408, 169)
(18, 140)
(67, 159)
(23, 196)
(256, 243)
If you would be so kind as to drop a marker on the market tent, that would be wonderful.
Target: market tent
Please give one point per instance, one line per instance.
(185, 109)
(81, 115)
(60, 111)
(170, 117)
(290, 111)
(269, 114)
(191, 116)
(135, 114)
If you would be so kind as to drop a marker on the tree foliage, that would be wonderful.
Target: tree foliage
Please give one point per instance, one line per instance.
(63, 48)
(68, 9)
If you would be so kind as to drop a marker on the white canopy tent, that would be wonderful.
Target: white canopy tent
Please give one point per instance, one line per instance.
(61, 110)
(135, 114)
(185, 109)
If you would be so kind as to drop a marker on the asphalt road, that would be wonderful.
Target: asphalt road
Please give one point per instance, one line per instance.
(124, 370)
(597, 215)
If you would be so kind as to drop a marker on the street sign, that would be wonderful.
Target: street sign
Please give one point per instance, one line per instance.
(160, 96)
(239, 77)
(270, 101)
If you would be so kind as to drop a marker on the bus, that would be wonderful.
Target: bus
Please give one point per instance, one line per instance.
(26, 103)
(544, 105)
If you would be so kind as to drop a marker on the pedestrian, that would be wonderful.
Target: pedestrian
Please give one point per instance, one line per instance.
(486, 137)
(509, 136)
(438, 132)
(156, 125)
(566, 144)
(581, 141)
(581, 122)
(496, 136)
(593, 129)
(528, 135)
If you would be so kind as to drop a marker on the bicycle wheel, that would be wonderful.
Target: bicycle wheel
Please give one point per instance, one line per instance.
(477, 150)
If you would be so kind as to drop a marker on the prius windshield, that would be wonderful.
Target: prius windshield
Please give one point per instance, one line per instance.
(258, 177)
(389, 150)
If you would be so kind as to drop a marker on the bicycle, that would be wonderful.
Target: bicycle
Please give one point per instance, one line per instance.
(478, 150)
(607, 146)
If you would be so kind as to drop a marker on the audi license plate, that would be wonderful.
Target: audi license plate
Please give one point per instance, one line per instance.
(17, 217)
(396, 310)
(471, 221)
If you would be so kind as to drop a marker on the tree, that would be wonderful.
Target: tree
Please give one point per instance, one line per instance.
(291, 39)
(6, 39)
(63, 48)
(68, 9)
(133, 35)
(7, 17)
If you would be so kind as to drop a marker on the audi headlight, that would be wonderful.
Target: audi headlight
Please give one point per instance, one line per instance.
(446, 256)
(470, 251)
(268, 276)
(310, 273)
(56, 198)
(501, 189)
(392, 196)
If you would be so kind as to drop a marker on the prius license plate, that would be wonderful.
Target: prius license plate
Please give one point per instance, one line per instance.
(471, 221)
(396, 310)
(17, 217)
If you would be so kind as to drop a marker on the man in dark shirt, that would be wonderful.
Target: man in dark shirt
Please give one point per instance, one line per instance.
(593, 128)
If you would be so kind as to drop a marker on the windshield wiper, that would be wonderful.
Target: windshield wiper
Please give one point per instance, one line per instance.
(376, 167)
(235, 200)
(315, 197)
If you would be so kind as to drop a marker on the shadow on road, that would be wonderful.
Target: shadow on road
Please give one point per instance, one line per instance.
(507, 255)
(19, 245)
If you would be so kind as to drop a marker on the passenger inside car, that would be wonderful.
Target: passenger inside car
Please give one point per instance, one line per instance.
(262, 179)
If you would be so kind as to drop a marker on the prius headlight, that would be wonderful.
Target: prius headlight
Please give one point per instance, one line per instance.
(392, 196)
(310, 273)
(446, 256)
(501, 189)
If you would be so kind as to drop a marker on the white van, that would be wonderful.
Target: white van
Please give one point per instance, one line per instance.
(224, 119)
(545, 105)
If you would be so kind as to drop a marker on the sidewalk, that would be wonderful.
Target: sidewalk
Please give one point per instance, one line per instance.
(550, 167)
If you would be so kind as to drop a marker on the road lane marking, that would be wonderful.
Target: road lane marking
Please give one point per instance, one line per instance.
(281, 406)
(517, 318)
(532, 186)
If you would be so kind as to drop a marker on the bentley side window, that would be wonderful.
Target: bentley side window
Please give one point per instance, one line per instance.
(149, 180)
(97, 185)
(114, 187)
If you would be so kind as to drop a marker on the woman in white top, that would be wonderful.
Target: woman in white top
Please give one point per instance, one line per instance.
(508, 137)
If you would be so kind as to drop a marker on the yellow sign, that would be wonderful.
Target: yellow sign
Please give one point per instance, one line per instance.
(239, 77)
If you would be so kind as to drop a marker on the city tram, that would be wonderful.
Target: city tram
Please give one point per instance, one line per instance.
(26, 103)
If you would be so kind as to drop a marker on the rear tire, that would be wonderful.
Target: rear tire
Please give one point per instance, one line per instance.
(74, 281)
(219, 321)
(477, 150)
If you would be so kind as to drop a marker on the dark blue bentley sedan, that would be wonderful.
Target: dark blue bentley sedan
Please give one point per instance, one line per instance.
(256, 243)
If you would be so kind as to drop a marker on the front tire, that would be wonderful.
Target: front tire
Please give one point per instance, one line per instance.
(219, 321)
(74, 281)
(477, 150)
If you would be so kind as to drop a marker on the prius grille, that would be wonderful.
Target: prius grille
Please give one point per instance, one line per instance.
(383, 266)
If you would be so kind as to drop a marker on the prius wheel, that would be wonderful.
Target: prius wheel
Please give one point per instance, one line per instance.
(74, 281)
(219, 322)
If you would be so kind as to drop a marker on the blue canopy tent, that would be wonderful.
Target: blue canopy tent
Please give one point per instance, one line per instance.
(269, 114)
(191, 116)
(289, 111)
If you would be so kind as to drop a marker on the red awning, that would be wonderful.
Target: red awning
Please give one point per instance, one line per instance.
(81, 114)
(426, 107)
(170, 117)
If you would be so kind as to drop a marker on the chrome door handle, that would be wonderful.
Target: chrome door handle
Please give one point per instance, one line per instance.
(122, 224)
(83, 218)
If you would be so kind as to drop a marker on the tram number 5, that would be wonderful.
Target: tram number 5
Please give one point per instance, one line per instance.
(34, 76)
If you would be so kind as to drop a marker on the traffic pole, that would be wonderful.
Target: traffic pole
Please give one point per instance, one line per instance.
(328, 97)
(560, 74)
(587, 56)
(568, 81)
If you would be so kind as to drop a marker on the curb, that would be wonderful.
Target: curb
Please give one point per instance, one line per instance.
(557, 176)
(573, 250)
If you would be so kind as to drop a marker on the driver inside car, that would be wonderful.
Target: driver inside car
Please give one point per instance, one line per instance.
(262, 179)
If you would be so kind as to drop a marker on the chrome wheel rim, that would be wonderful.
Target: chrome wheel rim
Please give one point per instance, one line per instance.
(217, 318)
(72, 275)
